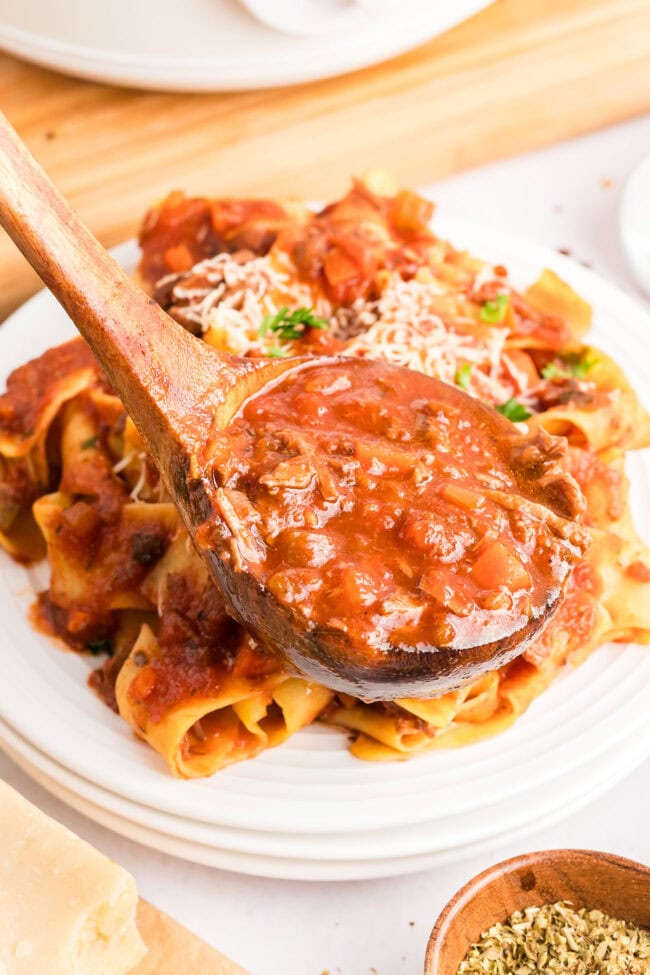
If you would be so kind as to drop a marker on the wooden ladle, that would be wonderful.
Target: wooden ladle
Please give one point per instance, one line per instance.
(177, 390)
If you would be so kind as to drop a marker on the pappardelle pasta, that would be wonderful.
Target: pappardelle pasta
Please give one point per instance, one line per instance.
(366, 276)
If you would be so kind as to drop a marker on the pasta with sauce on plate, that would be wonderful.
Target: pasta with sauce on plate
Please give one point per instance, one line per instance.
(366, 276)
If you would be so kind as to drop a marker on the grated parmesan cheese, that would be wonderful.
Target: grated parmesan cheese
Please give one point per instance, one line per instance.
(122, 464)
(406, 331)
(230, 298)
(142, 479)
(227, 298)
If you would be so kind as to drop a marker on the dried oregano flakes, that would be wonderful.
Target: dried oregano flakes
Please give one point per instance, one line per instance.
(557, 938)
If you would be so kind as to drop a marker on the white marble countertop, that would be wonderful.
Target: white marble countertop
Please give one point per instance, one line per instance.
(565, 197)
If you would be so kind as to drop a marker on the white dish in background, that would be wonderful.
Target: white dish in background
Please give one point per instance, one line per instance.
(591, 718)
(634, 223)
(322, 17)
(209, 45)
(310, 17)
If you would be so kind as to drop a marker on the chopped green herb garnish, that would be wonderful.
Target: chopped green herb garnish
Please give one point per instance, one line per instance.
(553, 371)
(513, 410)
(100, 646)
(90, 442)
(463, 374)
(291, 325)
(275, 352)
(573, 365)
(583, 364)
(494, 311)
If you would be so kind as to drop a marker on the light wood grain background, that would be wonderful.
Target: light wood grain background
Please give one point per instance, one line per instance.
(521, 74)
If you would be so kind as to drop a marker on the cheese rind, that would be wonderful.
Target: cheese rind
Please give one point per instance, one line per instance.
(65, 908)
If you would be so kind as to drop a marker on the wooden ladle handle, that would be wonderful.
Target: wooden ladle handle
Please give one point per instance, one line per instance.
(137, 344)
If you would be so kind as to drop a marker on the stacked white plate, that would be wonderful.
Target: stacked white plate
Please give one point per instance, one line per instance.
(308, 809)
(207, 45)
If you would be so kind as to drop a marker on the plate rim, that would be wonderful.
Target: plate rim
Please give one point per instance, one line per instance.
(173, 826)
(283, 868)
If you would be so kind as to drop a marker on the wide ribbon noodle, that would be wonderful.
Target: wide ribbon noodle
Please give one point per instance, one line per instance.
(77, 484)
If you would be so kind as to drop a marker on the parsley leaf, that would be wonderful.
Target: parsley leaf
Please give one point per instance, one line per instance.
(87, 444)
(463, 375)
(583, 364)
(573, 365)
(494, 311)
(291, 325)
(275, 352)
(513, 410)
(552, 371)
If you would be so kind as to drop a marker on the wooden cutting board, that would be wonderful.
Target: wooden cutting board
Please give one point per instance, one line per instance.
(173, 950)
(520, 74)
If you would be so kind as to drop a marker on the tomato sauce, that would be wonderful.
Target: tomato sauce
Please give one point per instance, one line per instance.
(348, 242)
(32, 388)
(394, 508)
(201, 650)
(184, 230)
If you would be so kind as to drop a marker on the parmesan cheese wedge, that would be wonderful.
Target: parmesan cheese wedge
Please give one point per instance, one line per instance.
(65, 908)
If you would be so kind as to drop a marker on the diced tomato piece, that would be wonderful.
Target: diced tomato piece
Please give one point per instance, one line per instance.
(179, 258)
(339, 268)
(143, 685)
(638, 571)
(497, 566)
(81, 518)
(524, 364)
(462, 497)
(411, 212)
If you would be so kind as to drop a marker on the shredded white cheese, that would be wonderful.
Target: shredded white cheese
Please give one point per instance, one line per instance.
(230, 298)
(234, 297)
(124, 462)
(407, 332)
(142, 479)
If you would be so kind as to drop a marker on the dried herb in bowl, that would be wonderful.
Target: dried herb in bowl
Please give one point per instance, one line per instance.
(557, 938)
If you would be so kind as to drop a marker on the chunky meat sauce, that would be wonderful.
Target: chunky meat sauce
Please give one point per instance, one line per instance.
(398, 518)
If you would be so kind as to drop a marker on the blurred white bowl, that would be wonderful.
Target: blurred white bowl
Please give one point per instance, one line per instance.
(214, 45)
(325, 17)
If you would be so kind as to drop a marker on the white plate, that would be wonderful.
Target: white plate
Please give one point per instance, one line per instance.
(634, 223)
(207, 45)
(481, 825)
(311, 785)
(151, 832)
(321, 17)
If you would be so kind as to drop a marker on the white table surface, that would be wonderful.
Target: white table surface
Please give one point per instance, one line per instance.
(565, 197)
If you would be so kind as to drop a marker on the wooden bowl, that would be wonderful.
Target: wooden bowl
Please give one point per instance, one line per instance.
(609, 883)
